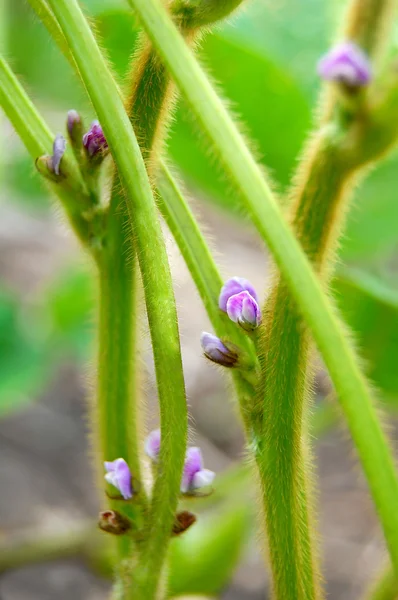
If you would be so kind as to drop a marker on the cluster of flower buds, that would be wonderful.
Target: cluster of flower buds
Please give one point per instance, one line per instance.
(194, 475)
(239, 300)
(346, 63)
(92, 144)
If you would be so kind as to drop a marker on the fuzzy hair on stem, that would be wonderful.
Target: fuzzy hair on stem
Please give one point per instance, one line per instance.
(314, 306)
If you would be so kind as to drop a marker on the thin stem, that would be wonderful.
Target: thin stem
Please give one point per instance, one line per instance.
(208, 281)
(315, 307)
(156, 279)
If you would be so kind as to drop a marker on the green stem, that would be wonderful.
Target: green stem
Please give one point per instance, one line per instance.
(208, 281)
(117, 385)
(156, 279)
(314, 305)
(318, 204)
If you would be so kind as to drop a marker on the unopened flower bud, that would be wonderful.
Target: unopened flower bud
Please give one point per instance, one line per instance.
(218, 352)
(233, 286)
(112, 521)
(74, 125)
(152, 445)
(94, 140)
(118, 474)
(59, 148)
(194, 475)
(49, 166)
(243, 309)
(183, 521)
(346, 63)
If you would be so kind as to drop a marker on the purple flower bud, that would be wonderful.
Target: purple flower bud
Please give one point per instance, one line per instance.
(73, 121)
(152, 445)
(233, 286)
(346, 63)
(194, 475)
(244, 310)
(118, 474)
(94, 140)
(59, 147)
(216, 351)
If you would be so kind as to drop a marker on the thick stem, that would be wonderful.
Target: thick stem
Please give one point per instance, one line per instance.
(117, 407)
(155, 273)
(352, 390)
(318, 204)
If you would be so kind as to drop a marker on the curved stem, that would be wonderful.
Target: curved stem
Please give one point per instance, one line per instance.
(208, 281)
(313, 304)
(156, 279)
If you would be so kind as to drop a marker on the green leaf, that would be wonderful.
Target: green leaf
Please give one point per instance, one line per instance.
(23, 364)
(293, 34)
(371, 309)
(69, 308)
(373, 223)
(274, 111)
(202, 560)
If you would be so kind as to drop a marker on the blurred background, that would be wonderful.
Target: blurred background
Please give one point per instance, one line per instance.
(264, 60)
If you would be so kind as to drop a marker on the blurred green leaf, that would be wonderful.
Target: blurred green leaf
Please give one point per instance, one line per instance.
(371, 309)
(372, 229)
(23, 359)
(203, 559)
(69, 308)
(274, 113)
(23, 178)
(292, 33)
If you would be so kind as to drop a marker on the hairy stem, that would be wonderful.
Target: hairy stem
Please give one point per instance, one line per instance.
(156, 279)
(315, 307)
(322, 186)
(208, 281)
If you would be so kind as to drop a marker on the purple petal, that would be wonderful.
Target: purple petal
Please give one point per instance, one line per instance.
(203, 478)
(216, 351)
(346, 63)
(233, 286)
(152, 444)
(119, 475)
(244, 310)
(193, 464)
(59, 147)
(94, 140)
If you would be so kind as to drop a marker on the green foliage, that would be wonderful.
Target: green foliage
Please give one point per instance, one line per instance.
(24, 367)
(202, 560)
(370, 307)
